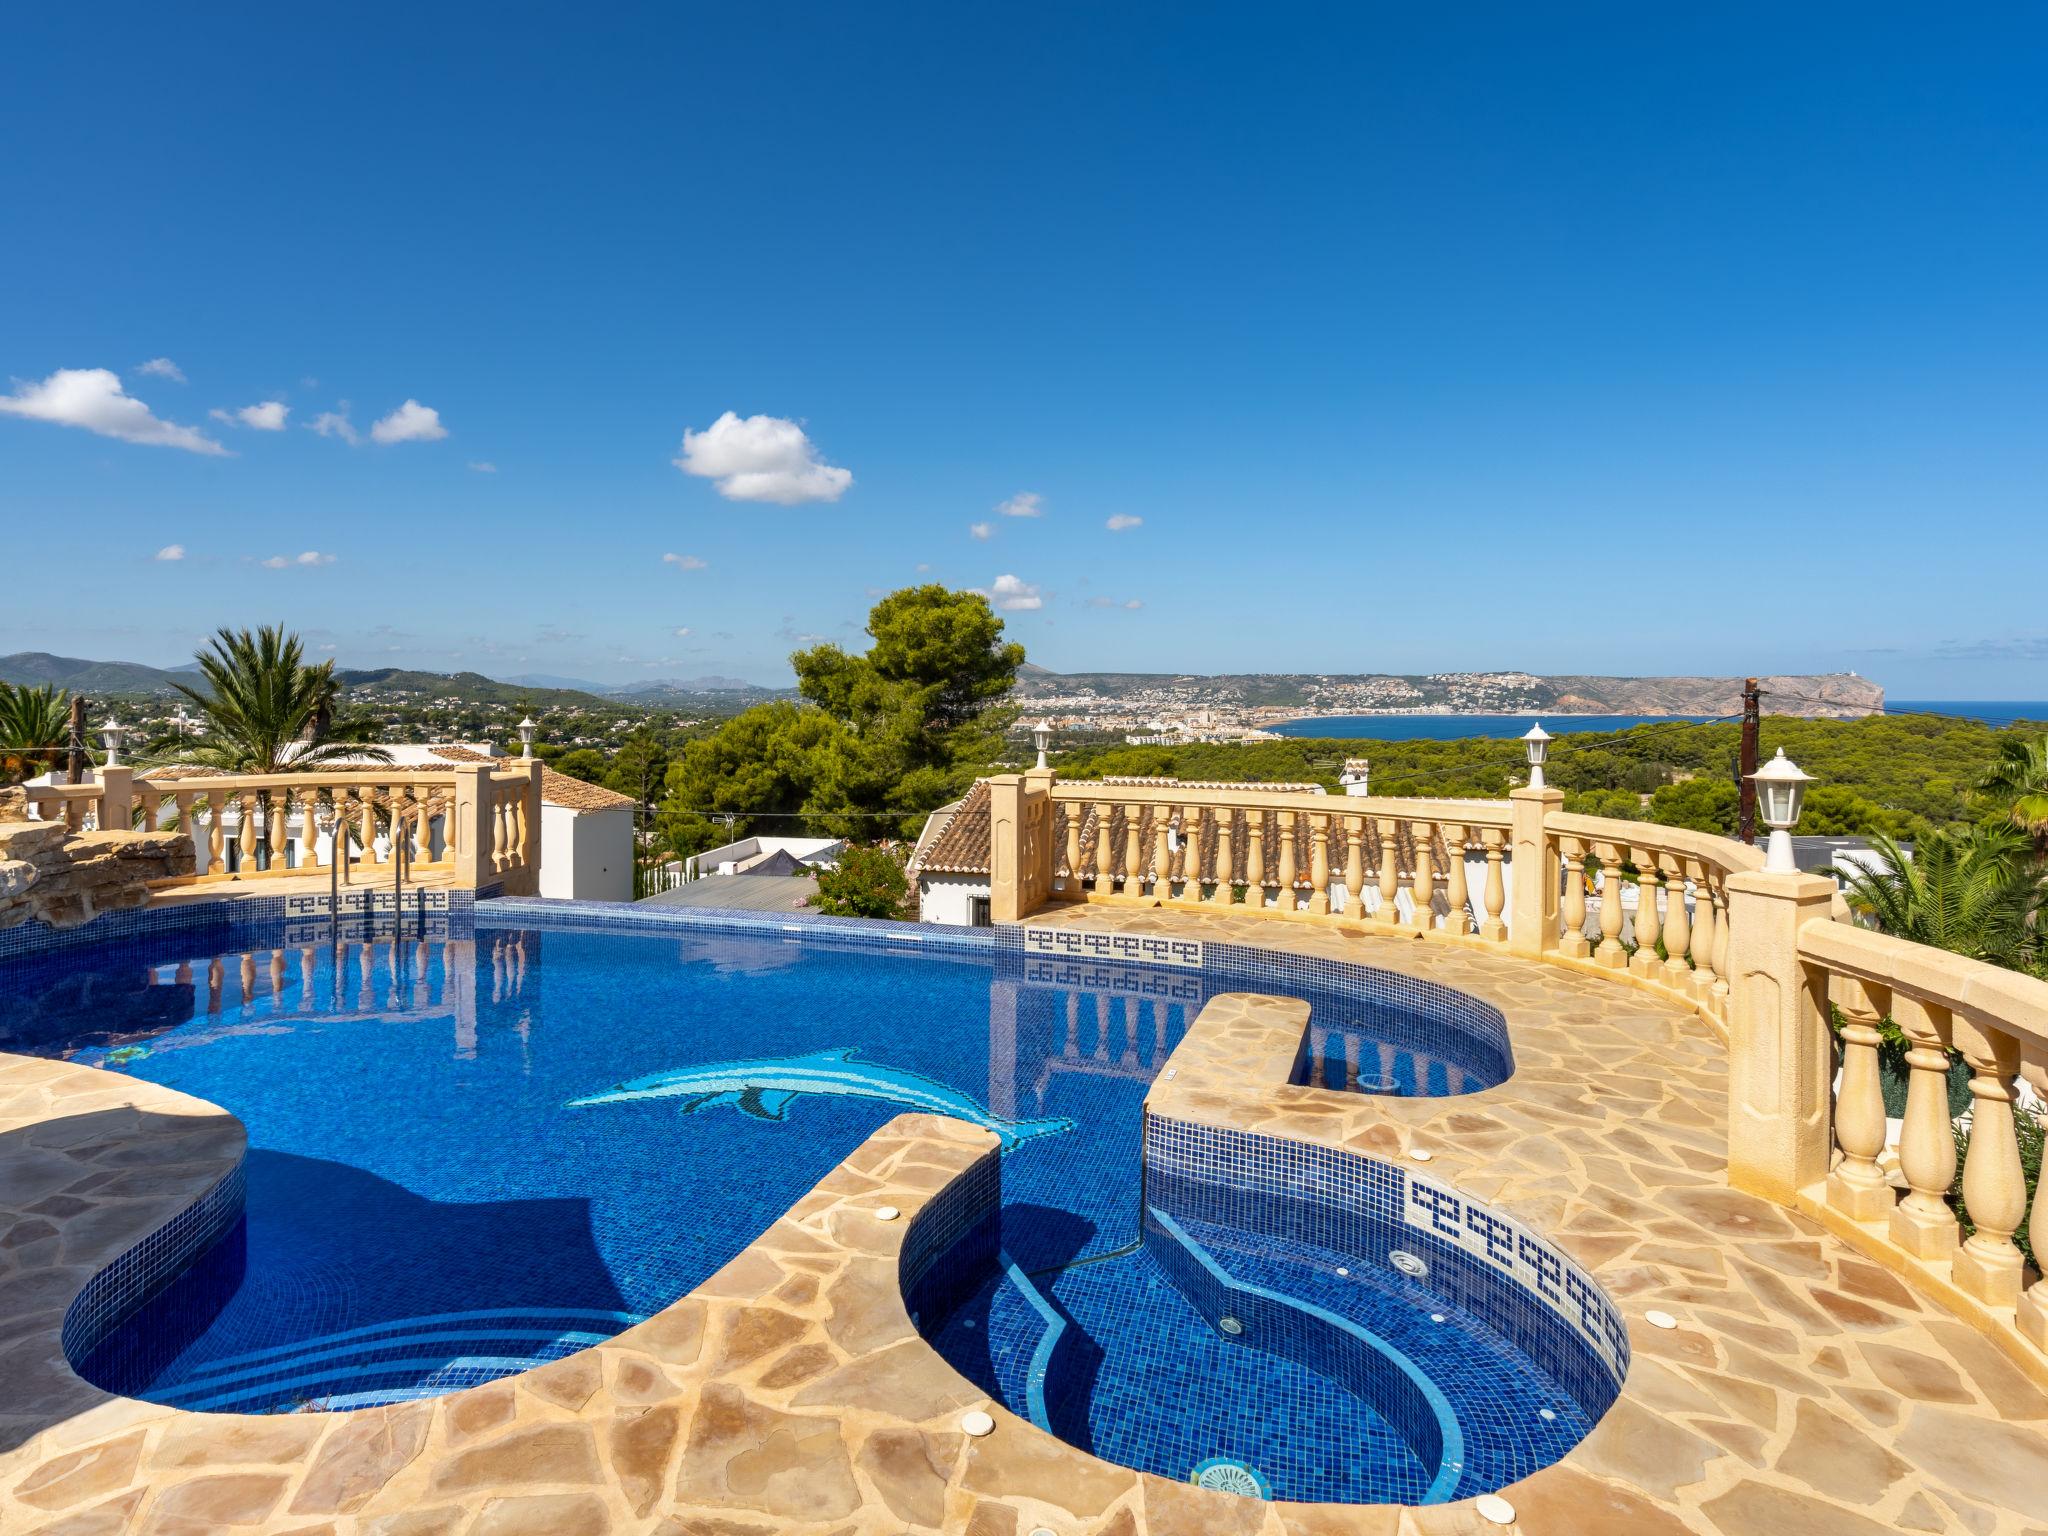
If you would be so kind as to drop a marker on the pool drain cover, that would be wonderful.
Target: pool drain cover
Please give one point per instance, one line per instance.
(1222, 1475)
(1408, 1264)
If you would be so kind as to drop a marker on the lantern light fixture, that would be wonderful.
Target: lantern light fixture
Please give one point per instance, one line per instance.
(1537, 743)
(1781, 794)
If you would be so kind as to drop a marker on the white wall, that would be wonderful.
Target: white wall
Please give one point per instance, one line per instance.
(945, 898)
(588, 857)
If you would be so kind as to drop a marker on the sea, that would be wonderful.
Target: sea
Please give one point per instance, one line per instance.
(1994, 712)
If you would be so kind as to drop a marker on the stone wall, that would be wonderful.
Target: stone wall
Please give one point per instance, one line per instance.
(65, 878)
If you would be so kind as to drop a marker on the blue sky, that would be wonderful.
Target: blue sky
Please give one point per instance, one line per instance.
(1599, 338)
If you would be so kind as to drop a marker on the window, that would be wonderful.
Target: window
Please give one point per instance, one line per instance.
(977, 911)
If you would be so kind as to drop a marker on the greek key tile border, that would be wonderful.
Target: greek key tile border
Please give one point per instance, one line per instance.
(1512, 1250)
(1127, 948)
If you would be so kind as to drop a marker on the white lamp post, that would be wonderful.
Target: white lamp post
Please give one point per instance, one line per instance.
(526, 730)
(111, 732)
(1537, 743)
(1041, 738)
(1780, 793)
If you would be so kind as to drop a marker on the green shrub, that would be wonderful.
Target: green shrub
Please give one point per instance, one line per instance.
(869, 882)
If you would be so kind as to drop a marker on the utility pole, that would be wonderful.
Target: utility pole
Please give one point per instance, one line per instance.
(74, 762)
(1746, 824)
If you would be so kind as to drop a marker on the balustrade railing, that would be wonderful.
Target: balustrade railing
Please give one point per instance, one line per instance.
(1762, 954)
(1419, 864)
(1945, 1006)
(475, 823)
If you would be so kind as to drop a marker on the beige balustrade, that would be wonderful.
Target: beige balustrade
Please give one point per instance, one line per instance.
(1996, 1020)
(1283, 853)
(1695, 918)
(257, 826)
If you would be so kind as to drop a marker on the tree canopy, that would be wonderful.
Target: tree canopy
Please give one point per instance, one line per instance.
(881, 739)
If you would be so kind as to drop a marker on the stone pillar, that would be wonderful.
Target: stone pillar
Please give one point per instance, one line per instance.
(470, 816)
(1780, 1057)
(117, 799)
(1005, 847)
(1532, 922)
(1857, 1188)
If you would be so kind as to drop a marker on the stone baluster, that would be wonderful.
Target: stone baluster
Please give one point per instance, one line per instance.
(1610, 953)
(366, 830)
(2033, 1313)
(1255, 857)
(1134, 853)
(1423, 890)
(501, 841)
(1226, 866)
(1574, 942)
(1191, 853)
(1988, 1265)
(1677, 929)
(1721, 987)
(1856, 1188)
(1704, 933)
(1074, 811)
(277, 816)
(1162, 852)
(423, 826)
(247, 834)
(1289, 871)
(1319, 863)
(1458, 918)
(1354, 867)
(1646, 961)
(1105, 852)
(1389, 872)
(1492, 927)
(216, 832)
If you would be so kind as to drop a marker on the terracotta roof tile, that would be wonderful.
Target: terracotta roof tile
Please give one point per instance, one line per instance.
(962, 846)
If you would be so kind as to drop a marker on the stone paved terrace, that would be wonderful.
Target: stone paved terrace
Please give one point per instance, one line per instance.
(1806, 1390)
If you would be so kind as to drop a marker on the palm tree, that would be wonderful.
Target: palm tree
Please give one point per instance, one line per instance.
(268, 712)
(2018, 784)
(1972, 893)
(35, 724)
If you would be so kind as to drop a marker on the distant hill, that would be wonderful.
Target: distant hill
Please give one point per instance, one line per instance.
(1339, 693)
(547, 680)
(464, 687)
(78, 675)
(692, 685)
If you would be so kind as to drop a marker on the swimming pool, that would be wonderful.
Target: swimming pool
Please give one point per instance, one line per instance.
(474, 1153)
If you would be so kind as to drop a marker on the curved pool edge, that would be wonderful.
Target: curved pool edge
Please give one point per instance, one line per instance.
(621, 1429)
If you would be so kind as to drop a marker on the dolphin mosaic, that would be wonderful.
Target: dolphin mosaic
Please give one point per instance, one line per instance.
(765, 1088)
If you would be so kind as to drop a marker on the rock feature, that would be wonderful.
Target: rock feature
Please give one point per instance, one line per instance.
(64, 878)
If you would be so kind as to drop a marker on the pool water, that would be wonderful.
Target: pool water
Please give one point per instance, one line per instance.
(471, 1155)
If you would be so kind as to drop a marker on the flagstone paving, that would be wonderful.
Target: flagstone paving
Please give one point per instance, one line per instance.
(1805, 1391)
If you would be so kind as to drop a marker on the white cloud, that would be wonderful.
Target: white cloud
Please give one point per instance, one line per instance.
(1015, 595)
(162, 368)
(286, 562)
(410, 423)
(483, 466)
(923, 566)
(335, 424)
(1023, 504)
(982, 530)
(92, 398)
(171, 552)
(267, 417)
(686, 562)
(1123, 520)
(1129, 604)
(761, 458)
(683, 632)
